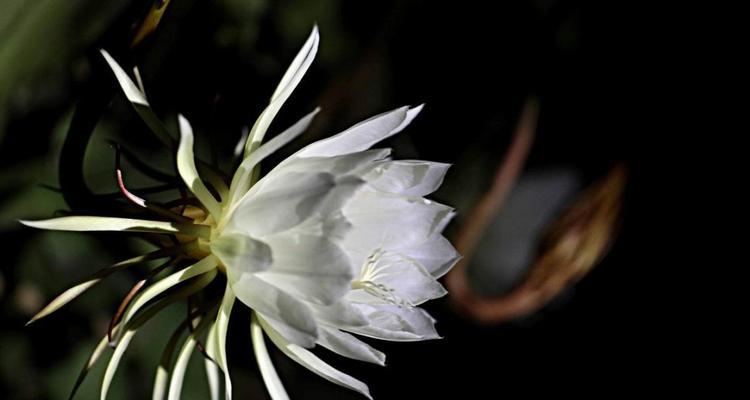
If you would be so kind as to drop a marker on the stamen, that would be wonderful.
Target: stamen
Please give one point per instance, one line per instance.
(368, 281)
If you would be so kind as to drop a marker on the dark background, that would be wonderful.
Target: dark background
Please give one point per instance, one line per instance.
(594, 66)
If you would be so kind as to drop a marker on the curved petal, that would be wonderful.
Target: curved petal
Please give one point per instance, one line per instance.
(362, 135)
(281, 204)
(396, 323)
(407, 177)
(183, 358)
(137, 98)
(217, 342)
(310, 267)
(313, 363)
(132, 92)
(267, 370)
(283, 201)
(201, 267)
(73, 292)
(349, 346)
(277, 305)
(188, 172)
(114, 362)
(241, 180)
(340, 314)
(359, 163)
(381, 220)
(437, 255)
(289, 82)
(212, 369)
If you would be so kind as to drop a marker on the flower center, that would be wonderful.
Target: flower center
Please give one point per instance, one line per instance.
(374, 269)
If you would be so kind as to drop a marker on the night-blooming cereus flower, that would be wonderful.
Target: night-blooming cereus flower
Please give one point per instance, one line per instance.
(336, 240)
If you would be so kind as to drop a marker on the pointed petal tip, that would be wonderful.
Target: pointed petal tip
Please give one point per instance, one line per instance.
(417, 109)
(185, 128)
(32, 224)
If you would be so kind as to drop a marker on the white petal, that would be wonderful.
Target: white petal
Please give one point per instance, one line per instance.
(313, 363)
(188, 172)
(137, 98)
(212, 370)
(150, 292)
(114, 362)
(349, 346)
(94, 224)
(340, 314)
(133, 93)
(362, 135)
(275, 304)
(282, 201)
(183, 359)
(312, 268)
(392, 222)
(359, 164)
(280, 204)
(396, 323)
(288, 83)
(217, 338)
(73, 292)
(408, 178)
(241, 180)
(241, 253)
(437, 255)
(298, 66)
(178, 375)
(131, 326)
(267, 370)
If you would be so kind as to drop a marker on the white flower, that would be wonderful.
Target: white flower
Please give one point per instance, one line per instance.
(337, 239)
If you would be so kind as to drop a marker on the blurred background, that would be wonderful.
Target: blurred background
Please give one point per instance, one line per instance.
(537, 104)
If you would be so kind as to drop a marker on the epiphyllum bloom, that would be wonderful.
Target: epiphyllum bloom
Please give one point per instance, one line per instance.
(336, 240)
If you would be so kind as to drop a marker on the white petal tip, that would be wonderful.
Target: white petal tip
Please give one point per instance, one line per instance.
(417, 109)
(185, 128)
(32, 224)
